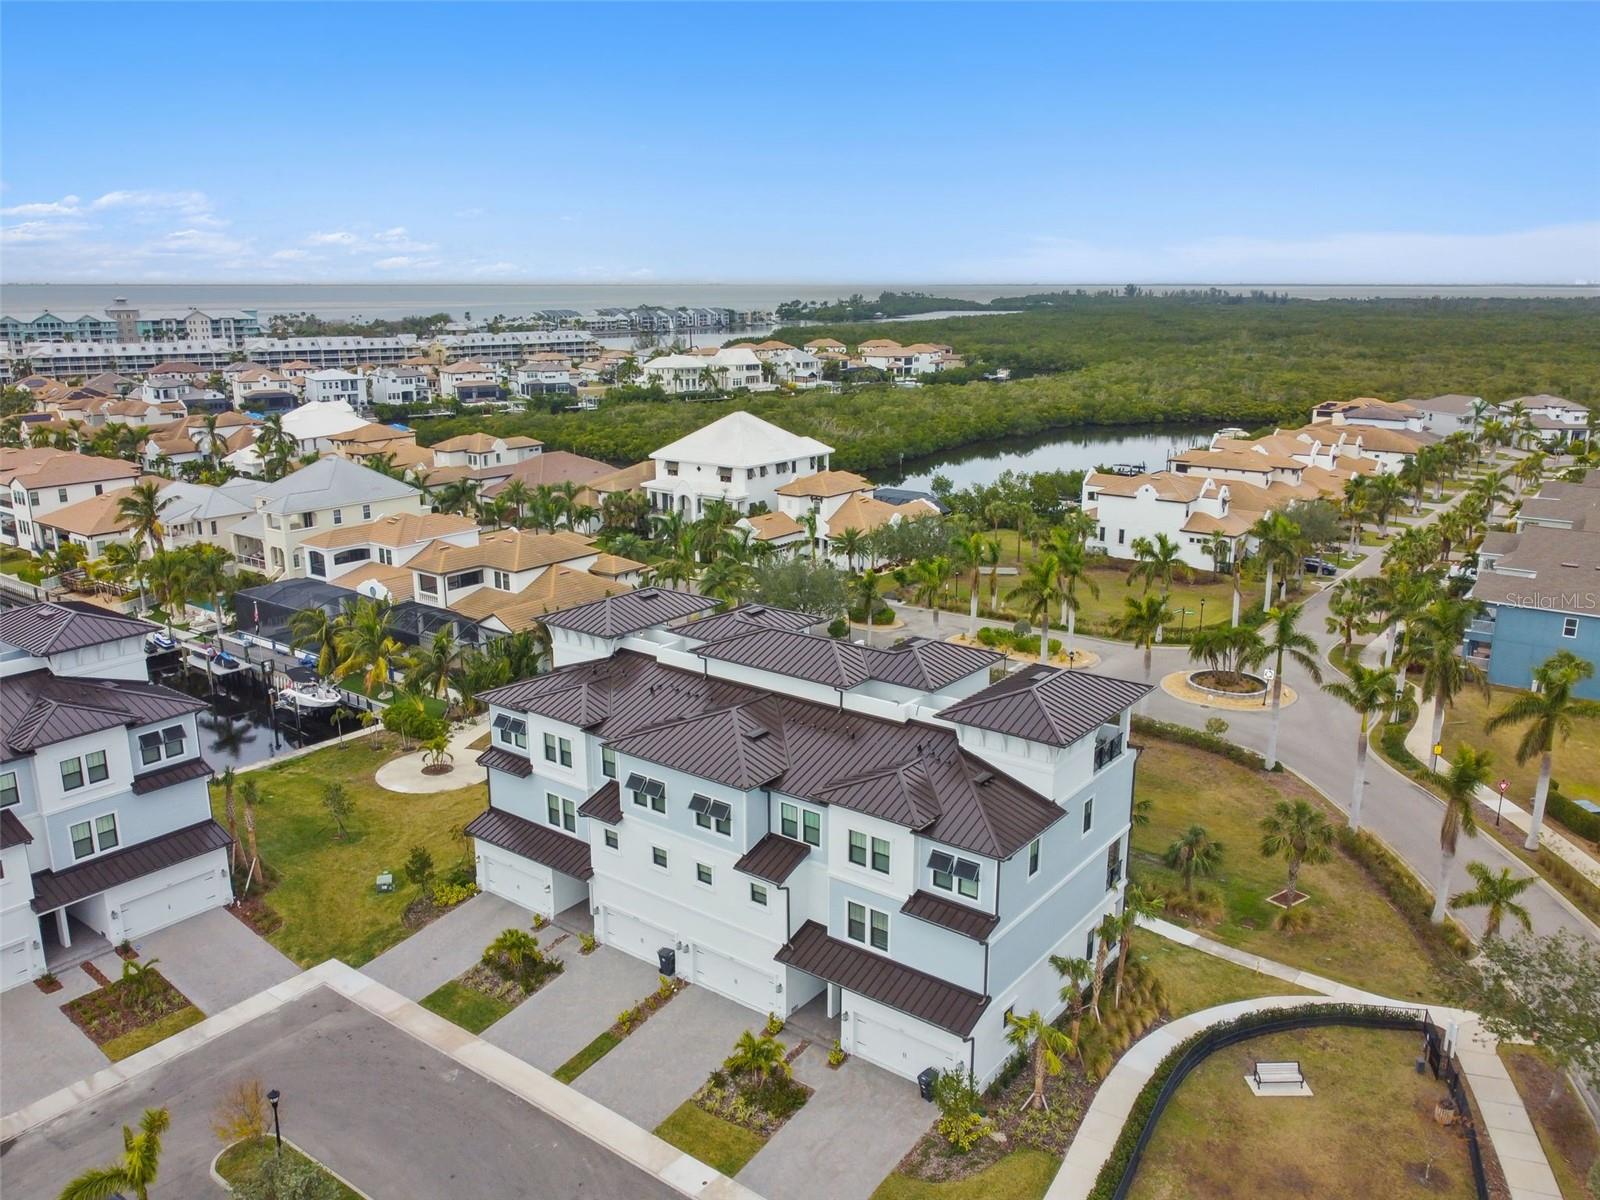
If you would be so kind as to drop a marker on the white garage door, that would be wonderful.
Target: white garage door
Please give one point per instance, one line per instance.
(527, 884)
(16, 965)
(636, 937)
(731, 978)
(171, 904)
(894, 1048)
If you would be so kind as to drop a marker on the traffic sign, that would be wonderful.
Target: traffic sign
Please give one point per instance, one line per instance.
(1504, 785)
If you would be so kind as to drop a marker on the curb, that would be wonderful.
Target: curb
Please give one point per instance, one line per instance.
(216, 1176)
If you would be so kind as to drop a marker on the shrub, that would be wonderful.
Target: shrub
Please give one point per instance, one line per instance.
(419, 865)
(241, 1112)
(448, 895)
(1583, 823)
(1404, 890)
(1293, 920)
(1200, 740)
(628, 1018)
(774, 1024)
(1010, 1070)
(718, 1079)
(836, 1056)
(540, 921)
(1216, 726)
(665, 986)
(778, 1096)
(587, 942)
(1202, 905)
(287, 1179)
(838, 628)
(961, 1124)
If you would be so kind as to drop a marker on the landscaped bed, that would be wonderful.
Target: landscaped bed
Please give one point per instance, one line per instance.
(1351, 932)
(1566, 1131)
(133, 1012)
(1368, 1128)
(244, 1161)
(738, 1109)
(322, 886)
(513, 968)
(627, 1022)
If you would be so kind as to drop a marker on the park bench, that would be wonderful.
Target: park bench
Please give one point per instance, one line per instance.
(1278, 1074)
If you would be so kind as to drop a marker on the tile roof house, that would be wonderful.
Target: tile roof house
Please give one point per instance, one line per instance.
(36, 483)
(794, 818)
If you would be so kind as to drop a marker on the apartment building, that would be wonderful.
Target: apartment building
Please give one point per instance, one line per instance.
(738, 459)
(36, 482)
(17, 330)
(790, 820)
(105, 821)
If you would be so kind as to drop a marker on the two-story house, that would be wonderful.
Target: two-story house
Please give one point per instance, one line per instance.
(787, 819)
(335, 383)
(738, 459)
(105, 821)
(35, 483)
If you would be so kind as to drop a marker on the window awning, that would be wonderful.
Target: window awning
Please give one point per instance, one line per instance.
(941, 862)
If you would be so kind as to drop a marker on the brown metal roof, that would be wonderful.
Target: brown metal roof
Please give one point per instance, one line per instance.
(39, 709)
(915, 663)
(12, 831)
(741, 747)
(1042, 704)
(542, 844)
(927, 665)
(42, 629)
(773, 858)
(618, 616)
(150, 781)
(605, 805)
(745, 619)
(497, 759)
(52, 889)
(970, 922)
(876, 977)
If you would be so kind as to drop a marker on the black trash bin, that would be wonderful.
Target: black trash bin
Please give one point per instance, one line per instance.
(925, 1082)
(667, 957)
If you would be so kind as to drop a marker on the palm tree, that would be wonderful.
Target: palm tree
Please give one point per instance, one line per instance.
(1349, 610)
(759, 1057)
(365, 641)
(1037, 592)
(208, 575)
(249, 793)
(851, 543)
(1469, 770)
(1370, 691)
(1137, 905)
(1548, 713)
(1194, 855)
(1076, 972)
(313, 627)
(513, 954)
(969, 552)
(1296, 831)
(1383, 493)
(1157, 561)
(1046, 1046)
(136, 1170)
(1284, 639)
(1105, 934)
(867, 587)
(1278, 544)
(383, 464)
(1446, 673)
(168, 574)
(1072, 564)
(433, 665)
(275, 448)
(1141, 623)
(728, 578)
(458, 496)
(226, 782)
(929, 578)
(1497, 892)
(139, 509)
(1227, 649)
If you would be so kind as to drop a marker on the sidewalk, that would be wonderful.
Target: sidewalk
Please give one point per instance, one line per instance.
(1501, 1113)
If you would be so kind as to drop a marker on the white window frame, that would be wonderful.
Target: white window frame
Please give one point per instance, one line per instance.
(659, 858)
(1569, 627)
(1035, 855)
(758, 895)
(9, 787)
(96, 846)
(76, 762)
(612, 840)
(704, 875)
(1088, 815)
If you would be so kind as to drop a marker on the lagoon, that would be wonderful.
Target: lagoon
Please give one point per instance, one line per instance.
(1080, 449)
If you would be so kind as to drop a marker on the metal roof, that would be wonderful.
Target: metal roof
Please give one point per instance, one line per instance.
(497, 759)
(970, 922)
(12, 831)
(44, 629)
(773, 858)
(605, 805)
(541, 843)
(40, 709)
(618, 616)
(876, 977)
(746, 619)
(52, 889)
(1042, 704)
(150, 781)
(916, 663)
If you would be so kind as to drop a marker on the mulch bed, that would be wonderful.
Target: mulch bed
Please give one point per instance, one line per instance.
(1227, 681)
(484, 979)
(438, 769)
(113, 1010)
(1284, 900)
(47, 984)
(650, 1004)
(127, 953)
(256, 916)
(762, 1109)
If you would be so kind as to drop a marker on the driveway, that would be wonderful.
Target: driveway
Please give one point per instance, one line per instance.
(40, 1050)
(576, 1007)
(666, 1060)
(803, 1160)
(215, 960)
(390, 1114)
(444, 949)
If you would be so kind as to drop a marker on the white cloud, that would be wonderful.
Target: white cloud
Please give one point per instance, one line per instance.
(292, 255)
(65, 207)
(183, 202)
(42, 231)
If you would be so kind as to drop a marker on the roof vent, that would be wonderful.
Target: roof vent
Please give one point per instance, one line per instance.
(757, 734)
(983, 778)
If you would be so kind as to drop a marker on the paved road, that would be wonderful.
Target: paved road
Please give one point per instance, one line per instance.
(394, 1117)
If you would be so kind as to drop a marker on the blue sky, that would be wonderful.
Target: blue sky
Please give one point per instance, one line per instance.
(939, 142)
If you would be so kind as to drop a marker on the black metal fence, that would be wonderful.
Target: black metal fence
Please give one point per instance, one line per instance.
(1254, 1025)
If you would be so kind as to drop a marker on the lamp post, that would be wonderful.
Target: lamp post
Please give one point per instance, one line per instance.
(1202, 623)
(277, 1131)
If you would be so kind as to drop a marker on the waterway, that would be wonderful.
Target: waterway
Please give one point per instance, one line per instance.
(1065, 450)
(241, 727)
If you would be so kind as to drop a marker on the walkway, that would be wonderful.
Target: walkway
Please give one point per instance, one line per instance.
(406, 775)
(1500, 1110)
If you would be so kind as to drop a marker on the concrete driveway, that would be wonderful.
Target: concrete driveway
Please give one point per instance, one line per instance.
(576, 1007)
(803, 1160)
(215, 959)
(389, 1113)
(666, 1060)
(439, 952)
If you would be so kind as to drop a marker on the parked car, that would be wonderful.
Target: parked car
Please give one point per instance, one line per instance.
(1320, 566)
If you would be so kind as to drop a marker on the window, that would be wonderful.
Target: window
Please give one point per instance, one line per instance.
(880, 855)
(366, 512)
(758, 894)
(95, 760)
(608, 762)
(789, 820)
(564, 749)
(812, 828)
(659, 857)
(463, 579)
(611, 839)
(149, 748)
(1033, 858)
(855, 921)
(502, 580)
(858, 848)
(1088, 946)
(648, 793)
(552, 807)
(513, 731)
(338, 516)
(9, 794)
(702, 874)
(71, 774)
(880, 930)
(550, 747)
(1088, 814)
(61, 495)
(105, 829)
(1114, 864)
(712, 814)
(966, 873)
(172, 738)
(428, 584)
(954, 874)
(82, 839)
(569, 816)
(1569, 627)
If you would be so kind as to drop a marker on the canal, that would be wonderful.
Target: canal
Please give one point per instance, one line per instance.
(241, 727)
(1063, 450)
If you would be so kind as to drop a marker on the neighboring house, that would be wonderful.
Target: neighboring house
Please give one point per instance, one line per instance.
(1557, 421)
(366, 440)
(738, 459)
(329, 493)
(1444, 415)
(34, 483)
(730, 369)
(1541, 598)
(905, 362)
(789, 820)
(335, 384)
(839, 500)
(248, 383)
(545, 379)
(1186, 508)
(196, 512)
(474, 450)
(454, 376)
(1369, 412)
(400, 385)
(105, 819)
(506, 561)
(388, 542)
(91, 524)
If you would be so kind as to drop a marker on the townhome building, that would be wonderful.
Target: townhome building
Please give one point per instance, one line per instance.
(738, 459)
(229, 325)
(790, 820)
(19, 329)
(1370, 412)
(65, 360)
(105, 820)
(1453, 413)
(36, 482)
(1559, 422)
(336, 384)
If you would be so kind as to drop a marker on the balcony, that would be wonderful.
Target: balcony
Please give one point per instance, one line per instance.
(1481, 630)
(1107, 750)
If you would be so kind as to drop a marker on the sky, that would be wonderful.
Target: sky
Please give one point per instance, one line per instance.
(1293, 143)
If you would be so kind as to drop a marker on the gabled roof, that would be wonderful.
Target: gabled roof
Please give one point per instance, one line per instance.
(1041, 704)
(865, 513)
(551, 467)
(618, 616)
(504, 550)
(741, 746)
(605, 805)
(770, 526)
(740, 439)
(44, 629)
(329, 483)
(746, 619)
(397, 529)
(40, 466)
(39, 709)
(826, 483)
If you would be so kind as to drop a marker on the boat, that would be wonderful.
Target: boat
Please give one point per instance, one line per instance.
(217, 663)
(305, 693)
(159, 643)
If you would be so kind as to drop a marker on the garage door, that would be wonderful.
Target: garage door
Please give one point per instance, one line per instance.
(528, 886)
(894, 1048)
(733, 979)
(168, 905)
(633, 936)
(16, 965)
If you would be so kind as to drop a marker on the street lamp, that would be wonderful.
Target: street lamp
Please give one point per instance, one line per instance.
(277, 1131)
(1202, 624)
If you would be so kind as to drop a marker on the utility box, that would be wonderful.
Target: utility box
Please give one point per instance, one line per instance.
(667, 958)
(925, 1082)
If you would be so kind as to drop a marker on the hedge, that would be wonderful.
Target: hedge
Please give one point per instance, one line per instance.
(1582, 822)
(1201, 740)
(1407, 893)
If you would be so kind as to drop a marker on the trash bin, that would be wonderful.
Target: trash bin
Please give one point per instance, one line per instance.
(667, 958)
(925, 1082)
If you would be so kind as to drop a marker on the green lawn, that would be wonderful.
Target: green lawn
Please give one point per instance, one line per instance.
(1021, 1175)
(587, 1057)
(1366, 1130)
(1576, 766)
(469, 1008)
(434, 706)
(324, 890)
(1356, 935)
(1567, 1132)
(715, 1142)
(240, 1162)
(1195, 980)
(119, 1048)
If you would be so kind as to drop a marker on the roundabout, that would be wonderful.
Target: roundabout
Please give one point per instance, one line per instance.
(1182, 685)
